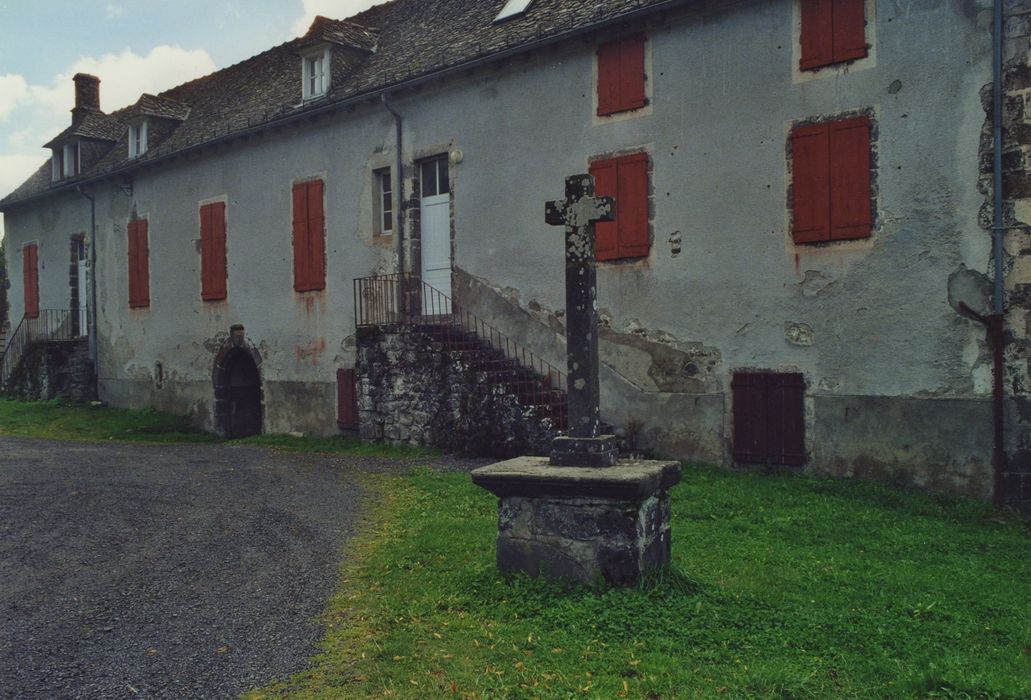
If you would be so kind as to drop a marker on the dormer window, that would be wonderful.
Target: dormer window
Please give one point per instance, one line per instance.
(316, 75)
(65, 161)
(137, 139)
(513, 8)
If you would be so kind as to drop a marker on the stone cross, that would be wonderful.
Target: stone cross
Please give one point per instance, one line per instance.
(578, 213)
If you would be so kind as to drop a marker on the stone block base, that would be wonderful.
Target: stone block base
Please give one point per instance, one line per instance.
(609, 524)
(598, 451)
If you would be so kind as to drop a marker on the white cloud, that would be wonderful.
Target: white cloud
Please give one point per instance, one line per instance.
(113, 10)
(127, 75)
(13, 91)
(335, 9)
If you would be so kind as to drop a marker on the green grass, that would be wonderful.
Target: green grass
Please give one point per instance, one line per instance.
(783, 587)
(61, 420)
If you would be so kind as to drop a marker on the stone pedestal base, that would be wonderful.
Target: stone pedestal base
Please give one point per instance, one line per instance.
(598, 451)
(582, 524)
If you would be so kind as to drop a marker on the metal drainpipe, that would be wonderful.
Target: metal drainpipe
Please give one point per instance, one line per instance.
(399, 241)
(995, 322)
(92, 315)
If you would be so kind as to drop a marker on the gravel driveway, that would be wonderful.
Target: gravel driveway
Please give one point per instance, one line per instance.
(131, 571)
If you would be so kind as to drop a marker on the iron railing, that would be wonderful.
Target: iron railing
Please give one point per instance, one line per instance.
(48, 325)
(405, 300)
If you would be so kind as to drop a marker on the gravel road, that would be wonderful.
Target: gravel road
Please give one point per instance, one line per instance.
(135, 571)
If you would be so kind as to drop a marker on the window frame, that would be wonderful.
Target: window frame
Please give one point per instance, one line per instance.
(315, 85)
(138, 138)
(827, 35)
(848, 166)
(214, 240)
(138, 230)
(625, 248)
(309, 236)
(621, 67)
(383, 189)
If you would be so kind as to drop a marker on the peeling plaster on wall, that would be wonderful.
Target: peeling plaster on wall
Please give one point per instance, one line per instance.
(800, 334)
(675, 244)
(815, 282)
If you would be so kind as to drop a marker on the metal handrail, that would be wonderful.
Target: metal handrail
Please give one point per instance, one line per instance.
(406, 300)
(47, 325)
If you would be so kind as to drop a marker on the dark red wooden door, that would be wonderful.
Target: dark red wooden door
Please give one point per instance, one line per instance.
(769, 417)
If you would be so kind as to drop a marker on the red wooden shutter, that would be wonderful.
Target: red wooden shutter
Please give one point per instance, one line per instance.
(30, 279)
(301, 245)
(316, 236)
(631, 79)
(609, 60)
(347, 398)
(606, 184)
(817, 34)
(134, 265)
(849, 30)
(851, 216)
(139, 265)
(749, 406)
(810, 175)
(785, 418)
(213, 251)
(632, 206)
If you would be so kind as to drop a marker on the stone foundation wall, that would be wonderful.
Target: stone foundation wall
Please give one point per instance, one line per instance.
(410, 390)
(54, 370)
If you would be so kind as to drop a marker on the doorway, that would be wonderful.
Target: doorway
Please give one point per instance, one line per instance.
(238, 396)
(435, 233)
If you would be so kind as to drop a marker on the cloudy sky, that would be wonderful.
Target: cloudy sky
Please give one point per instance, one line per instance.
(134, 46)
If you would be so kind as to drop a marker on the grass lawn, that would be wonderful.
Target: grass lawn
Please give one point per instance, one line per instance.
(61, 420)
(784, 587)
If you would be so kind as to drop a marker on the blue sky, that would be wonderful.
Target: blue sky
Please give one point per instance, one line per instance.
(134, 46)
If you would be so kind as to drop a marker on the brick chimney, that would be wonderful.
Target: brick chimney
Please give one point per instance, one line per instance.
(87, 95)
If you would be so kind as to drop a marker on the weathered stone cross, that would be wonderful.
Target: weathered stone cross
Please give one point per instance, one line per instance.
(578, 213)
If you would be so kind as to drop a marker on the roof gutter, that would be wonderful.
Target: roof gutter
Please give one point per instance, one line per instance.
(378, 93)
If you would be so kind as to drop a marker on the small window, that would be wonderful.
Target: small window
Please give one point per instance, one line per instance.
(435, 178)
(137, 139)
(383, 185)
(833, 31)
(139, 265)
(69, 160)
(769, 423)
(309, 231)
(621, 75)
(626, 179)
(831, 181)
(513, 8)
(315, 79)
(30, 279)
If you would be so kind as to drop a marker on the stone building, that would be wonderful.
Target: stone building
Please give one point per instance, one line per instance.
(805, 195)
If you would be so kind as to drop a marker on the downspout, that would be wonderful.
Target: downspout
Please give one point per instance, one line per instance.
(399, 206)
(91, 316)
(996, 321)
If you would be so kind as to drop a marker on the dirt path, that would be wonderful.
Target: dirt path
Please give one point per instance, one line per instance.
(166, 571)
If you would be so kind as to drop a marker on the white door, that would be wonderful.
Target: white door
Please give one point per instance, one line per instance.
(435, 230)
(83, 291)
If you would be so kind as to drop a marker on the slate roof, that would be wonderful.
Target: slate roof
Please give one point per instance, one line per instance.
(93, 125)
(408, 40)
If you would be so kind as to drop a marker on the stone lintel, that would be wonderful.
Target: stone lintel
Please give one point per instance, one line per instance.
(598, 451)
(628, 480)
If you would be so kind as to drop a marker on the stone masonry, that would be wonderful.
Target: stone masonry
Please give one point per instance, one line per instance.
(411, 390)
(54, 370)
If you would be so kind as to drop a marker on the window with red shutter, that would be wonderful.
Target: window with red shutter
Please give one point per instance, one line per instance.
(309, 236)
(213, 251)
(769, 417)
(833, 31)
(621, 75)
(30, 279)
(139, 265)
(626, 179)
(831, 181)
